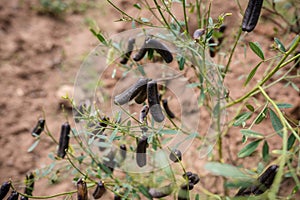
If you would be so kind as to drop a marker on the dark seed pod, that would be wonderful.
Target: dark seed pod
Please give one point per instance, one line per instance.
(141, 149)
(188, 186)
(161, 49)
(175, 155)
(187, 175)
(142, 96)
(29, 184)
(82, 193)
(23, 198)
(123, 151)
(251, 15)
(162, 191)
(13, 196)
(128, 52)
(194, 178)
(99, 191)
(4, 189)
(117, 197)
(153, 102)
(131, 92)
(266, 179)
(64, 140)
(141, 53)
(212, 49)
(167, 109)
(263, 183)
(38, 129)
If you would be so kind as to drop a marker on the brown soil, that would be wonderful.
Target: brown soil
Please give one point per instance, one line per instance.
(39, 54)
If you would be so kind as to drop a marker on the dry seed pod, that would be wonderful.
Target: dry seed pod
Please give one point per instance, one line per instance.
(99, 191)
(141, 53)
(251, 15)
(167, 109)
(162, 191)
(141, 149)
(187, 175)
(131, 92)
(23, 198)
(29, 182)
(82, 193)
(64, 140)
(175, 155)
(142, 96)
(38, 129)
(194, 178)
(127, 55)
(198, 33)
(4, 189)
(188, 186)
(263, 183)
(123, 151)
(221, 30)
(160, 48)
(13, 196)
(153, 102)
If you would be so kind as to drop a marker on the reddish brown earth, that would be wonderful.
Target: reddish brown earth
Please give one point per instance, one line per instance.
(40, 53)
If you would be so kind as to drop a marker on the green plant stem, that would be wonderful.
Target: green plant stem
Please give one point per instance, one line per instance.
(280, 65)
(199, 21)
(275, 187)
(171, 14)
(232, 52)
(185, 16)
(162, 15)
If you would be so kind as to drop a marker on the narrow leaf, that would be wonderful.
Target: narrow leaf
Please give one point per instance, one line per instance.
(252, 73)
(252, 134)
(249, 149)
(279, 45)
(240, 119)
(32, 147)
(168, 132)
(225, 170)
(250, 107)
(113, 135)
(257, 49)
(265, 152)
(181, 63)
(262, 115)
(284, 105)
(291, 141)
(99, 36)
(276, 123)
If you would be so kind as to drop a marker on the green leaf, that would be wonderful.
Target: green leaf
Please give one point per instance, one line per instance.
(279, 45)
(240, 119)
(252, 134)
(181, 63)
(252, 73)
(284, 105)
(261, 116)
(144, 191)
(250, 107)
(100, 37)
(113, 135)
(276, 123)
(226, 170)
(265, 152)
(257, 49)
(291, 141)
(137, 5)
(193, 85)
(168, 132)
(249, 149)
(32, 147)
